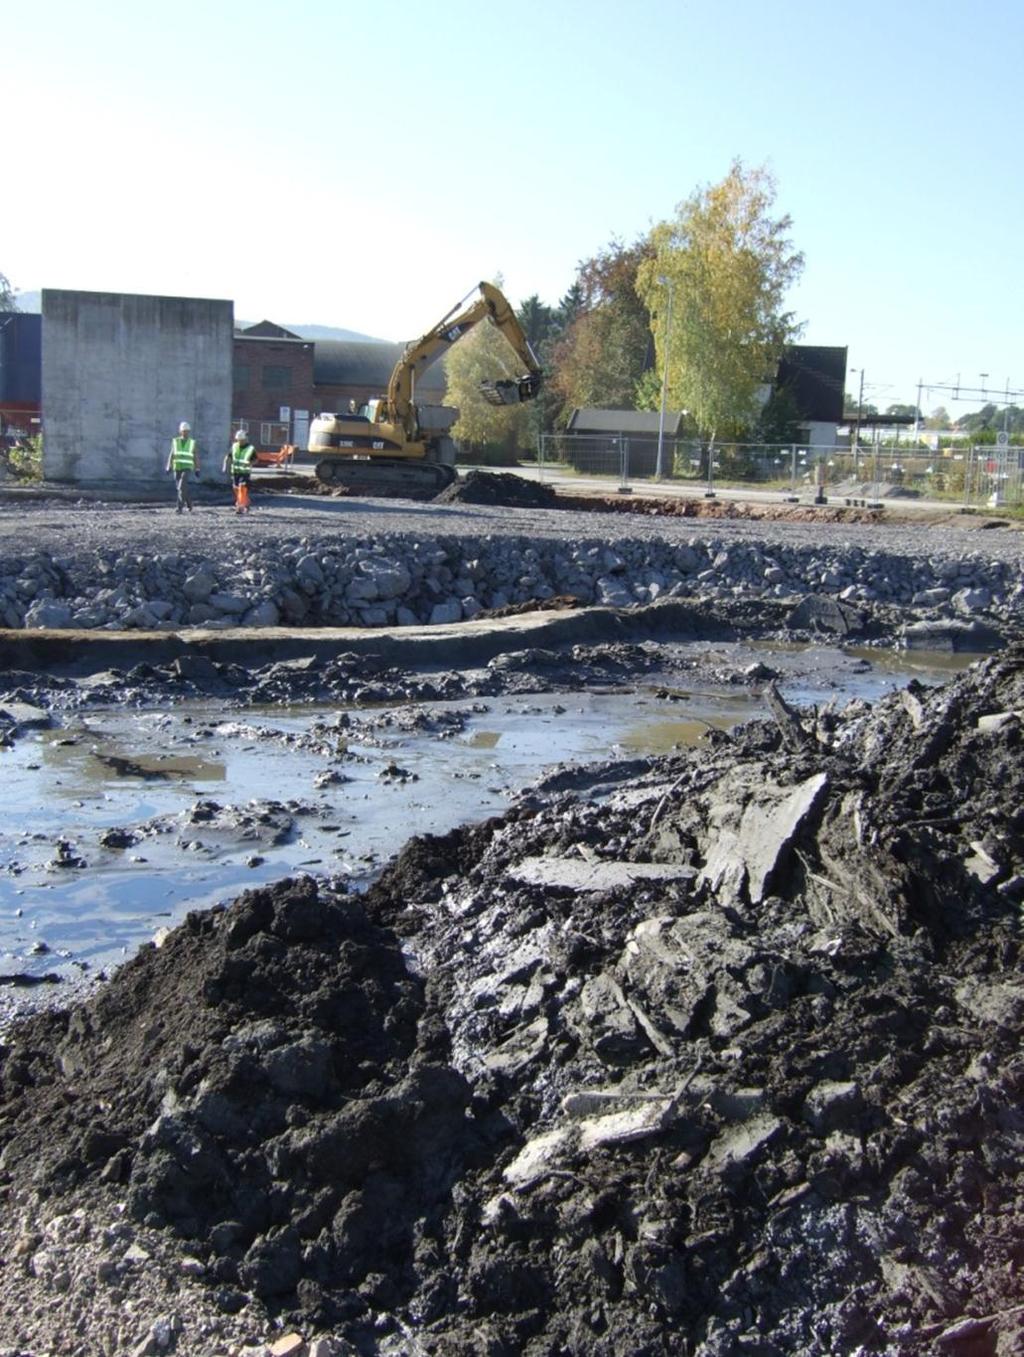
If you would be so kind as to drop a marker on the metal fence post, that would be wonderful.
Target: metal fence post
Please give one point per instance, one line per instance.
(624, 486)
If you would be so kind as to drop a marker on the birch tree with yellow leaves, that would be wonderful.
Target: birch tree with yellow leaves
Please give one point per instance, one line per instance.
(728, 263)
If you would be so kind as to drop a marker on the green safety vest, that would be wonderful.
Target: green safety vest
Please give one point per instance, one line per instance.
(183, 454)
(241, 458)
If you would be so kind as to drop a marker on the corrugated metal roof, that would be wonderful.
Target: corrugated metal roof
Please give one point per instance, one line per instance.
(589, 420)
(349, 362)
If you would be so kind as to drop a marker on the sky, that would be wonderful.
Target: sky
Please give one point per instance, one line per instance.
(363, 165)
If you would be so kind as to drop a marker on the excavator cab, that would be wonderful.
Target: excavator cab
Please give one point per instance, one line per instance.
(511, 392)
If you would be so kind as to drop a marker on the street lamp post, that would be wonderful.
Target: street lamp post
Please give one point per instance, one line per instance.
(860, 407)
(659, 468)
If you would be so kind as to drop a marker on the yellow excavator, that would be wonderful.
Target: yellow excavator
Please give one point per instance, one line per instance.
(392, 445)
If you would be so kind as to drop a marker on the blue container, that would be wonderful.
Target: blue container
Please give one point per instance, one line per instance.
(21, 358)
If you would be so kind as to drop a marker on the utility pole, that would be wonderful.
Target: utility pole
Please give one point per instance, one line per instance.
(659, 466)
(860, 406)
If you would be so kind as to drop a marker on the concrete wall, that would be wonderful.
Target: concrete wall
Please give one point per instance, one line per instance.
(119, 374)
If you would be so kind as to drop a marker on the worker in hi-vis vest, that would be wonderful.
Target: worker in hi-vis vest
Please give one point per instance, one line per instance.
(239, 461)
(183, 460)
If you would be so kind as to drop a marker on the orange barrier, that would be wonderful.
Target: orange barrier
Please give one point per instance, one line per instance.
(282, 457)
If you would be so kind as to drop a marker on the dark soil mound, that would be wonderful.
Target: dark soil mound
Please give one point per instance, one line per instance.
(262, 1084)
(494, 487)
(722, 1056)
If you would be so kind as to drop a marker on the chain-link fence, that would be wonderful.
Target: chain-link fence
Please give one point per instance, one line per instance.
(973, 476)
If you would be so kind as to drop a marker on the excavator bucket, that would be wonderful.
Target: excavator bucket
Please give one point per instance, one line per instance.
(511, 392)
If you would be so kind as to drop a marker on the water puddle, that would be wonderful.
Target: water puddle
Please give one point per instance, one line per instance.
(117, 823)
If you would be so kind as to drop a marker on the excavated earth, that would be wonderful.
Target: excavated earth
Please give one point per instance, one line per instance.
(707, 1054)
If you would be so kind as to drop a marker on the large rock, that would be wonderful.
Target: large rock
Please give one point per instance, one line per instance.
(751, 828)
(233, 605)
(199, 586)
(264, 614)
(816, 613)
(48, 613)
(443, 613)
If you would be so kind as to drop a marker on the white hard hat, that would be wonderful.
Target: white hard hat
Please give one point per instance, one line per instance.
(184, 427)
(240, 434)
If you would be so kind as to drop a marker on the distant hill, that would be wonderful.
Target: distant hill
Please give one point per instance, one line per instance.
(333, 332)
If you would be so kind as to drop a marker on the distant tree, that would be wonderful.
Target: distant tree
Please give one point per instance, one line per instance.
(939, 418)
(904, 411)
(571, 305)
(538, 321)
(979, 420)
(730, 263)
(8, 301)
(606, 345)
(992, 419)
(850, 406)
(544, 327)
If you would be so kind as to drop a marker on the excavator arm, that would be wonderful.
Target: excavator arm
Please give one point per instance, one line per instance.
(490, 305)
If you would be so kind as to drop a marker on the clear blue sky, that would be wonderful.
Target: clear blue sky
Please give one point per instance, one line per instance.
(364, 164)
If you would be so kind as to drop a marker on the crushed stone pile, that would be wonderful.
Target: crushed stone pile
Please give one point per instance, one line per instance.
(706, 1054)
(430, 578)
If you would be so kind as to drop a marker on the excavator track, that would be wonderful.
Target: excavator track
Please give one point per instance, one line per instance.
(386, 479)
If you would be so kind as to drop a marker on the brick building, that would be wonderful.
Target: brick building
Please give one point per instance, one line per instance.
(273, 397)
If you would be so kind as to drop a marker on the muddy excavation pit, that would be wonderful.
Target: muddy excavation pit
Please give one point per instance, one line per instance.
(635, 998)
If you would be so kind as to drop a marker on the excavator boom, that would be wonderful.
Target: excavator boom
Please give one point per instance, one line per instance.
(490, 305)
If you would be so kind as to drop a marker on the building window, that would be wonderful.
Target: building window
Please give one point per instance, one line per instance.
(276, 378)
(273, 434)
(241, 377)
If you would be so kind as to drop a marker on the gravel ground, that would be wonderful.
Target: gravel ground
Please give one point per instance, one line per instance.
(62, 526)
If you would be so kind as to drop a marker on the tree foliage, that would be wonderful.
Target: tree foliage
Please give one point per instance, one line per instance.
(908, 411)
(606, 346)
(727, 263)
(544, 327)
(992, 418)
(8, 301)
(484, 354)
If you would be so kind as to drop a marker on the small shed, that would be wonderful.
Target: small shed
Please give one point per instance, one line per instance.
(594, 434)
